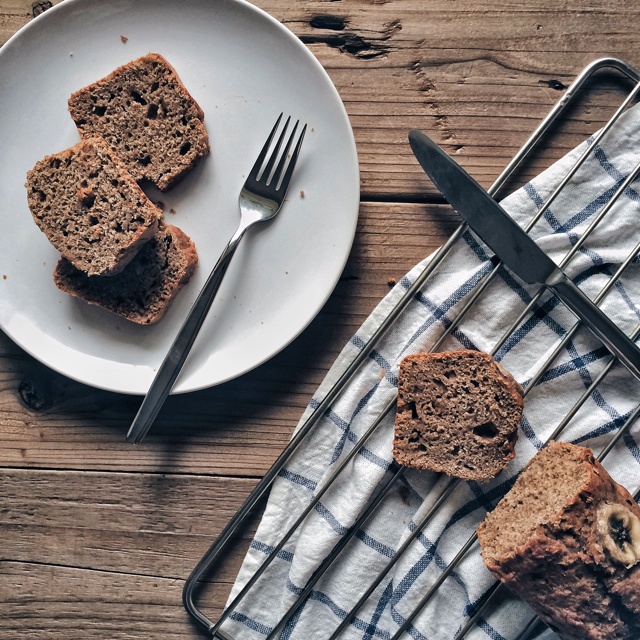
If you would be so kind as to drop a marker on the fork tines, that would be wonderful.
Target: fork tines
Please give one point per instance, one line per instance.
(268, 174)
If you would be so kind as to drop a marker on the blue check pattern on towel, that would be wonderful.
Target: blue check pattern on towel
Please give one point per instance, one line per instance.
(415, 492)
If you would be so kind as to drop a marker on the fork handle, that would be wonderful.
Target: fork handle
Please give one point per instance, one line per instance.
(177, 354)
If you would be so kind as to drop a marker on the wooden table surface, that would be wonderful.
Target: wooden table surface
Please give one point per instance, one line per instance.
(97, 536)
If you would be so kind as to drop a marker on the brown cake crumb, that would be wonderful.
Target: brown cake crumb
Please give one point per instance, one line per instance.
(457, 413)
(148, 117)
(142, 291)
(90, 208)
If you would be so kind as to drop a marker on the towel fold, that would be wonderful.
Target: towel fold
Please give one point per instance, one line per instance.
(413, 493)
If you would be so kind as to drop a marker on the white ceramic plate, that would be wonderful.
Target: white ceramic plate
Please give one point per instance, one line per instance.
(244, 68)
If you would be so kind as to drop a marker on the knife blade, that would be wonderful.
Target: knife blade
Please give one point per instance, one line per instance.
(515, 248)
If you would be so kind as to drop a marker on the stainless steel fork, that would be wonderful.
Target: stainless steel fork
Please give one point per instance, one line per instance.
(260, 199)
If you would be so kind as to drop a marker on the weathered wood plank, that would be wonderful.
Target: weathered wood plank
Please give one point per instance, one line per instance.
(97, 555)
(143, 524)
(14, 14)
(48, 602)
(477, 76)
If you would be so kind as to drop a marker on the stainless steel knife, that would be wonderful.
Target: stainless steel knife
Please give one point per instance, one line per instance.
(514, 247)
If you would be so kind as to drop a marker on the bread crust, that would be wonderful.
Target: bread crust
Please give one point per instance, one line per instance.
(559, 562)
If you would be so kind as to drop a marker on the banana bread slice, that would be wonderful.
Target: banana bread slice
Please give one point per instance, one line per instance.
(458, 413)
(90, 208)
(566, 539)
(142, 291)
(147, 116)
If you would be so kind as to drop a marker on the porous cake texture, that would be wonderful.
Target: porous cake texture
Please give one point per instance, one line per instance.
(457, 413)
(566, 539)
(90, 208)
(143, 290)
(147, 116)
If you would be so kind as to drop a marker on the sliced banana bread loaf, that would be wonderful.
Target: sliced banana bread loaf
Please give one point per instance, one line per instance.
(142, 291)
(457, 413)
(566, 539)
(91, 209)
(147, 116)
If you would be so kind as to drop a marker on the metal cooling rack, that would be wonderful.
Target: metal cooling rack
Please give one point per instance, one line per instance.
(239, 522)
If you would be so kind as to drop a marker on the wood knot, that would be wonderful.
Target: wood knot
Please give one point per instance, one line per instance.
(40, 7)
(35, 394)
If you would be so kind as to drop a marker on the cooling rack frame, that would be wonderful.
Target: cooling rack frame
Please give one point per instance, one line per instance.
(227, 536)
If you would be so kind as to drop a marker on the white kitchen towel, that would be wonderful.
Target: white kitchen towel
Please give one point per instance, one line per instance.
(414, 492)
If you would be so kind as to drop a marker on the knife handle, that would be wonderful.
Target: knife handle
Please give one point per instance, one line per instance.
(618, 342)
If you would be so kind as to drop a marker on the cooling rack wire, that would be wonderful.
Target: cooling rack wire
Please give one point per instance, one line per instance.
(585, 81)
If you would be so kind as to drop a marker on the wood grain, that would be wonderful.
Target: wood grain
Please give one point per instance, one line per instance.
(99, 536)
(50, 602)
(109, 552)
(477, 78)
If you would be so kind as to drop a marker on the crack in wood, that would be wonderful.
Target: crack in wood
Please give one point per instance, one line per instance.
(390, 29)
(347, 41)
(350, 43)
(553, 84)
(425, 84)
(427, 87)
(324, 21)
